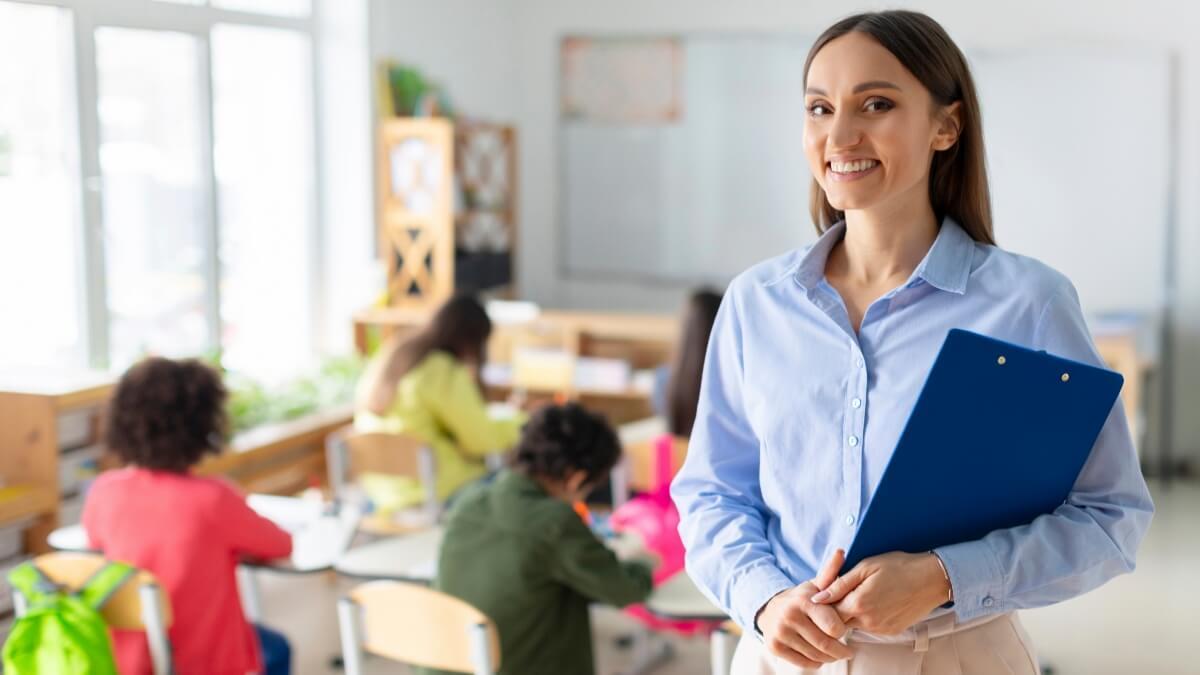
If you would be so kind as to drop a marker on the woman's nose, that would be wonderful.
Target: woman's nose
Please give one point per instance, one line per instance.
(844, 131)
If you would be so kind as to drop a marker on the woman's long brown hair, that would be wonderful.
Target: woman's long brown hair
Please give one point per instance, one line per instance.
(460, 328)
(683, 387)
(958, 185)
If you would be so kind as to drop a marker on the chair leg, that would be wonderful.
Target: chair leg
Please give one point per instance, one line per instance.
(619, 481)
(248, 583)
(348, 626)
(481, 653)
(156, 629)
(719, 643)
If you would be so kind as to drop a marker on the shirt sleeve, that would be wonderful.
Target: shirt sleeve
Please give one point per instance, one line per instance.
(585, 564)
(723, 518)
(1091, 538)
(246, 531)
(461, 409)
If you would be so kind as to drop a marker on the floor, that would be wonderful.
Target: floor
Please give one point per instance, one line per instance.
(1140, 623)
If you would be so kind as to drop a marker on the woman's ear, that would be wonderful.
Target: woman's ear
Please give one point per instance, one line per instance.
(949, 127)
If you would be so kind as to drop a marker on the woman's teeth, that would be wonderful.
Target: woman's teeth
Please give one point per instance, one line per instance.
(852, 167)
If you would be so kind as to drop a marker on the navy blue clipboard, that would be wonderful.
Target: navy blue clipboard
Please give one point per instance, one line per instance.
(996, 438)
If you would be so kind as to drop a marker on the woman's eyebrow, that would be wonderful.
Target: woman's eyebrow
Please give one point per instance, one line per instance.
(865, 86)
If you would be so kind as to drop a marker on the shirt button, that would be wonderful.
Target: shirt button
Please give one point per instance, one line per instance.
(856, 403)
(988, 601)
(858, 362)
(850, 521)
(853, 441)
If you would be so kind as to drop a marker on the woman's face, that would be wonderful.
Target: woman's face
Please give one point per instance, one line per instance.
(871, 127)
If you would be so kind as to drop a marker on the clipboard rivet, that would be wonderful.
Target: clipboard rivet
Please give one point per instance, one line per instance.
(1065, 377)
(1001, 360)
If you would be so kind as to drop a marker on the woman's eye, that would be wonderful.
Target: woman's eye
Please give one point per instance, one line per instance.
(879, 105)
(818, 109)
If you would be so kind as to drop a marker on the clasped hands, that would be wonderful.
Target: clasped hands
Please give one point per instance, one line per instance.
(884, 595)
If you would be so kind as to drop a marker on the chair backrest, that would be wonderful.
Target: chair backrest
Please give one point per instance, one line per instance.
(139, 604)
(124, 609)
(350, 452)
(418, 626)
(641, 463)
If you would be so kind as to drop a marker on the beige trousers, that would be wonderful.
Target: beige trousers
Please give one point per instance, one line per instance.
(995, 645)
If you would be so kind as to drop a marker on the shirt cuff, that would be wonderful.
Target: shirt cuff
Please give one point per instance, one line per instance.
(974, 577)
(752, 589)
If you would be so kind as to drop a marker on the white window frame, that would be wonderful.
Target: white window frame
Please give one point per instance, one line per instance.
(197, 21)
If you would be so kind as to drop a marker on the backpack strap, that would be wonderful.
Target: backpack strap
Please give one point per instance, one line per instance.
(104, 583)
(31, 583)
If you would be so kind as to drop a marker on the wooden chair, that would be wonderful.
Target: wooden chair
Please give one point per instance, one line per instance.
(140, 604)
(638, 468)
(349, 453)
(418, 626)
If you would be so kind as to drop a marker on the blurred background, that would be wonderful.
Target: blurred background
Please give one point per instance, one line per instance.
(278, 185)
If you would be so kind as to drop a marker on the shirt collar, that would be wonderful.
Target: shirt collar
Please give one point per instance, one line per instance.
(946, 266)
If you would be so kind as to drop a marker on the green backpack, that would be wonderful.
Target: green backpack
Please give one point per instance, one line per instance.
(62, 632)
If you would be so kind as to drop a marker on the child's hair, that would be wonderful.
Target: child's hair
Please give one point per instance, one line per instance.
(561, 439)
(167, 415)
(460, 327)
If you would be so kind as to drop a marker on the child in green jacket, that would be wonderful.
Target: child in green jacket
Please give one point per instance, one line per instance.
(517, 550)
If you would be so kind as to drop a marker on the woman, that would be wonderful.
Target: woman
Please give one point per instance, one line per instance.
(428, 386)
(678, 387)
(818, 355)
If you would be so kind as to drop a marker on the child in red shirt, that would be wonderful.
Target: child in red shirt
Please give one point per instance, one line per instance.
(189, 531)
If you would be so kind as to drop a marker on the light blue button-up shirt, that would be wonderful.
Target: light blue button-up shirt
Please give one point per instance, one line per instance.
(799, 415)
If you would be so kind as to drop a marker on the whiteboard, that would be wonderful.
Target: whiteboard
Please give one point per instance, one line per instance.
(1078, 157)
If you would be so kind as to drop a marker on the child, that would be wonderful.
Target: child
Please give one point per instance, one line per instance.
(427, 385)
(518, 552)
(188, 531)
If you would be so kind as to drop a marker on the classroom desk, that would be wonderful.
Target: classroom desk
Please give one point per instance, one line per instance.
(318, 540)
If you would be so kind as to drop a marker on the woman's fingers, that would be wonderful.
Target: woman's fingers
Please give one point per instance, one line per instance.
(831, 569)
(829, 621)
(829, 649)
(841, 586)
(794, 648)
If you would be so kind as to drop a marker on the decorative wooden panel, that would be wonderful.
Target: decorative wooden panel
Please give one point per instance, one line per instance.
(416, 209)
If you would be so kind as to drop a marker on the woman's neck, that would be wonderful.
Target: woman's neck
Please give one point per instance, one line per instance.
(883, 247)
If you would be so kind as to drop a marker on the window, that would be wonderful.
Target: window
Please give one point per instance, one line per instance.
(40, 228)
(279, 7)
(159, 189)
(155, 198)
(262, 103)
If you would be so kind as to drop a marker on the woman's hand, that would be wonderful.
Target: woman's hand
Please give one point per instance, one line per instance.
(801, 632)
(889, 593)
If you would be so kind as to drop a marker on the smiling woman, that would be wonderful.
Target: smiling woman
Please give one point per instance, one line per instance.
(817, 356)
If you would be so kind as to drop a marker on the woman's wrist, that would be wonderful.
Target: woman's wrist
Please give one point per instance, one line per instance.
(945, 588)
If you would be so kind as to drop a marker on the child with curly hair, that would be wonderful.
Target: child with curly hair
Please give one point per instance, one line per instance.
(516, 550)
(189, 531)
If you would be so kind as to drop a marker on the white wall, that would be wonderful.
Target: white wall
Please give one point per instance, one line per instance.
(471, 46)
(467, 46)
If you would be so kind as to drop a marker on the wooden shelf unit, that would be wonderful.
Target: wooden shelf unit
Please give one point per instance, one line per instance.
(446, 208)
(32, 405)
